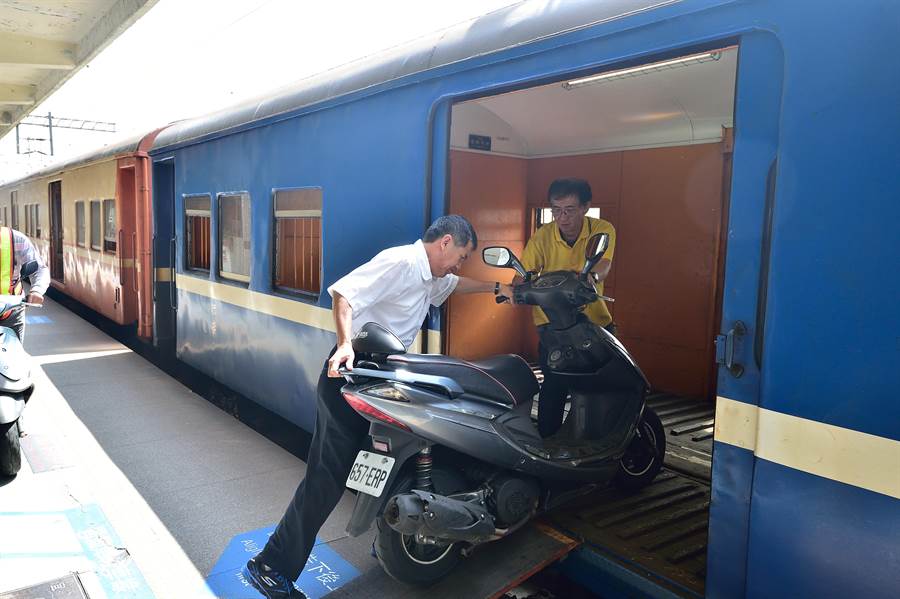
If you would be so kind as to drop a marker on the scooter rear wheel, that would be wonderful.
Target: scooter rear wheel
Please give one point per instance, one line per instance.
(644, 457)
(10, 452)
(408, 561)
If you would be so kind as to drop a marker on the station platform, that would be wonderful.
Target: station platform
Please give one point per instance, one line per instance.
(134, 486)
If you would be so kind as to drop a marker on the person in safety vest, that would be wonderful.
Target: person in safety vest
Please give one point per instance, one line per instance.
(16, 250)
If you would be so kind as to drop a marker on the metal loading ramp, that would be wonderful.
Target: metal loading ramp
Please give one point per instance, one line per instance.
(491, 570)
(658, 533)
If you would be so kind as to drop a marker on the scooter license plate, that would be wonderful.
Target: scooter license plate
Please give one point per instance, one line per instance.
(370, 472)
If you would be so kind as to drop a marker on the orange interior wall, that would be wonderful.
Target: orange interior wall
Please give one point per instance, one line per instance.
(668, 251)
(666, 205)
(490, 191)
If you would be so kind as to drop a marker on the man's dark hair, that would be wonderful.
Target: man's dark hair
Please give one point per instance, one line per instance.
(563, 188)
(454, 225)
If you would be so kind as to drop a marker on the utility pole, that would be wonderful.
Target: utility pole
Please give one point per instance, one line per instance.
(59, 123)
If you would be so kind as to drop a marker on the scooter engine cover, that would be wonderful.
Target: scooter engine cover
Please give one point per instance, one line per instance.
(514, 498)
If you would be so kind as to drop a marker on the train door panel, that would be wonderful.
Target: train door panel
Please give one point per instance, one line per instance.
(126, 241)
(57, 263)
(164, 292)
(739, 344)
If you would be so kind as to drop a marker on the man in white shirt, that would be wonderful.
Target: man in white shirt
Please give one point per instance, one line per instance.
(394, 289)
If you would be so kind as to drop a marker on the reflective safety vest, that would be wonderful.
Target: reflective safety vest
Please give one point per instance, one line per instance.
(7, 260)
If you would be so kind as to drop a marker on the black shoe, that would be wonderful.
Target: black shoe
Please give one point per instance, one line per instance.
(270, 583)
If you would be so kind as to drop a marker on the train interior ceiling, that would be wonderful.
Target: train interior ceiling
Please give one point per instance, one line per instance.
(654, 142)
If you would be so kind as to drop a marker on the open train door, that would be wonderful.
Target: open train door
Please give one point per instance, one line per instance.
(57, 262)
(164, 295)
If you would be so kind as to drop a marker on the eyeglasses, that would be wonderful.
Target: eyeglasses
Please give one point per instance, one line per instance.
(567, 211)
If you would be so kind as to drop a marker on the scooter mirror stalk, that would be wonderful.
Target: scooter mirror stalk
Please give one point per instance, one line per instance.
(501, 257)
(593, 252)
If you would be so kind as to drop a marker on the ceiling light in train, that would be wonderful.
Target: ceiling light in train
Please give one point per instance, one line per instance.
(646, 69)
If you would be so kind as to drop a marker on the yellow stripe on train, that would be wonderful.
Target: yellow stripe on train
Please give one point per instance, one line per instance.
(840, 454)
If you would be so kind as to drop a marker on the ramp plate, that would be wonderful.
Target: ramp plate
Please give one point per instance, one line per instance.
(489, 572)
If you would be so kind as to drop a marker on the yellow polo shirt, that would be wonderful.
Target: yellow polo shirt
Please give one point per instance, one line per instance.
(547, 251)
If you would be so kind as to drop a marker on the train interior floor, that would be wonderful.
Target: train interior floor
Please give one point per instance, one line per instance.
(660, 532)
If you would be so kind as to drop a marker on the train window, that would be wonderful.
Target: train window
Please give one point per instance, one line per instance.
(234, 236)
(79, 224)
(196, 226)
(3, 220)
(28, 219)
(109, 226)
(37, 220)
(14, 209)
(298, 240)
(95, 225)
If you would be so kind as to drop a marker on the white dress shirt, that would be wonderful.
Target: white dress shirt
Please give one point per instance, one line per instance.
(394, 289)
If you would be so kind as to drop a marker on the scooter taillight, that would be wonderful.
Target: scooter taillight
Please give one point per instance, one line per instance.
(363, 407)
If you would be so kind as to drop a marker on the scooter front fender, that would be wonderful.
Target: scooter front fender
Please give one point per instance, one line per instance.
(11, 408)
(367, 508)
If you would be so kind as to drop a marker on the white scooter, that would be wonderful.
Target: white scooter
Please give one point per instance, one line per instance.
(16, 385)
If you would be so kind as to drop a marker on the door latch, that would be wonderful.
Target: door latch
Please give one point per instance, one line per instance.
(727, 345)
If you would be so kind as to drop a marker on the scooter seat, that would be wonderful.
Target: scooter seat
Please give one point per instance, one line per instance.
(506, 378)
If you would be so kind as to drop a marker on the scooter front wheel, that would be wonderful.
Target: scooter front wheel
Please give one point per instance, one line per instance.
(645, 454)
(10, 452)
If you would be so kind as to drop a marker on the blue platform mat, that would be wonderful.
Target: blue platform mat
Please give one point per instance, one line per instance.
(324, 572)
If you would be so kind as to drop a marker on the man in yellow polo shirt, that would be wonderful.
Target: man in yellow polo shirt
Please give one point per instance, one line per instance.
(560, 245)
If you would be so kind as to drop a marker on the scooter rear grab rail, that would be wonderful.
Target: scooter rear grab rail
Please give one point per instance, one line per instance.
(448, 385)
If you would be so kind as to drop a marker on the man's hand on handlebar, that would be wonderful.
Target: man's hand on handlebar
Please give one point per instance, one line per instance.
(505, 294)
(343, 355)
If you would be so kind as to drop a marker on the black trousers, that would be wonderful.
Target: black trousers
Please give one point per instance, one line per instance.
(552, 400)
(338, 437)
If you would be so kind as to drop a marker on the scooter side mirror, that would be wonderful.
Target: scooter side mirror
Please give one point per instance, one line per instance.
(501, 257)
(593, 252)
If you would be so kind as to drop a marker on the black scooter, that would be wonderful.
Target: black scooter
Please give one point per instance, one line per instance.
(455, 458)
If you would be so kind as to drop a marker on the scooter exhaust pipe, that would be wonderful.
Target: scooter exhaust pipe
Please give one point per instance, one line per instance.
(424, 514)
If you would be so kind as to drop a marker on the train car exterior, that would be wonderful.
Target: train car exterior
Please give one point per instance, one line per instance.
(257, 210)
(90, 220)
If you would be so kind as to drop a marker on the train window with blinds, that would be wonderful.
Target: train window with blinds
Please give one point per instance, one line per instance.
(3, 216)
(109, 226)
(36, 221)
(298, 240)
(196, 232)
(79, 224)
(234, 236)
(14, 209)
(96, 225)
(28, 220)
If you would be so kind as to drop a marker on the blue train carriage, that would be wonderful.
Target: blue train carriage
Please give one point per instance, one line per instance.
(746, 153)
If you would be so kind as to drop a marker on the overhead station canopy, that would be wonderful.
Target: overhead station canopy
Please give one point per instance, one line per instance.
(43, 43)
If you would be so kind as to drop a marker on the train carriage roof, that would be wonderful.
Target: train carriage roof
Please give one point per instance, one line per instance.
(123, 147)
(496, 31)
